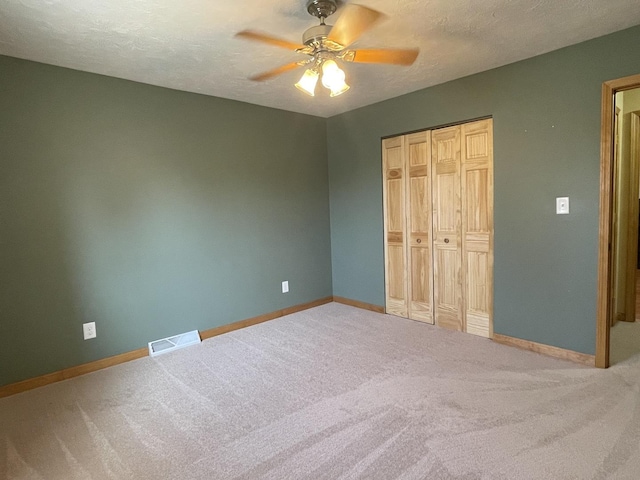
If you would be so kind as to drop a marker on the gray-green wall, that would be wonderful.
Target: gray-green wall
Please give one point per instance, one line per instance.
(149, 211)
(546, 113)
(153, 212)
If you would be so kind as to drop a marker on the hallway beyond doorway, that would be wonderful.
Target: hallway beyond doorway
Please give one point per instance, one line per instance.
(625, 336)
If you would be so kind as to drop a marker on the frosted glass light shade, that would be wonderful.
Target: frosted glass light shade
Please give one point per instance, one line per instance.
(308, 81)
(340, 90)
(331, 74)
(333, 78)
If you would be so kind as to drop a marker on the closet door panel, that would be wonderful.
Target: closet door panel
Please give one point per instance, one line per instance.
(393, 160)
(477, 225)
(446, 161)
(396, 273)
(395, 197)
(419, 226)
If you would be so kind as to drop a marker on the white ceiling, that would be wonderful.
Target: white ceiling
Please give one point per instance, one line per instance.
(190, 45)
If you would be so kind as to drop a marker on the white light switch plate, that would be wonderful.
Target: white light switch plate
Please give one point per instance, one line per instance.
(89, 330)
(285, 286)
(562, 205)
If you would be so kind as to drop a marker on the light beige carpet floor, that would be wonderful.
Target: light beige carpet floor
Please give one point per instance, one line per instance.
(331, 393)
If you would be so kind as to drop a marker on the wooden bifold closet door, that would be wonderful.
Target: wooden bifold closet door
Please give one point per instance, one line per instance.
(438, 225)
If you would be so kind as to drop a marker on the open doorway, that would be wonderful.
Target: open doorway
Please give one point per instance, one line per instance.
(610, 278)
(625, 330)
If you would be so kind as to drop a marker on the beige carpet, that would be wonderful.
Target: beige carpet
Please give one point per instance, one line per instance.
(331, 393)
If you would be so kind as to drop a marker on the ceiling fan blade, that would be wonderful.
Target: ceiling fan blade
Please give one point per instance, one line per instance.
(353, 22)
(393, 56)
(261, 77)
(269, 39)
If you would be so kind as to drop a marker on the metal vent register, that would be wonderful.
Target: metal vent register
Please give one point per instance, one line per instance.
(170, 344)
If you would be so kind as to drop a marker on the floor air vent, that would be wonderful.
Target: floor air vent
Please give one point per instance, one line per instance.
(170, 344)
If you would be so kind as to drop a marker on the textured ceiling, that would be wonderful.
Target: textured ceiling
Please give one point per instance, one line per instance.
(189, 44)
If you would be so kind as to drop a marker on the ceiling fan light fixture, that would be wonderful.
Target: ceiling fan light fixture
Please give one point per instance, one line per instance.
(327, 45)
(308, 81)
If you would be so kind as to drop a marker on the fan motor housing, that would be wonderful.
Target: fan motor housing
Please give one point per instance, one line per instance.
(317, 33)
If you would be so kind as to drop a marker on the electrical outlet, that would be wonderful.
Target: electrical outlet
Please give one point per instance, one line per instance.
(285, 286)
(89, 330)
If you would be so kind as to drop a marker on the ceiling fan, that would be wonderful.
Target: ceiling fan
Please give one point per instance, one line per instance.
(327, 46)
